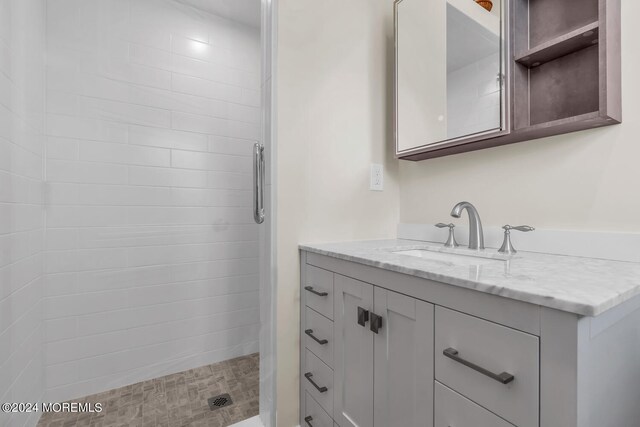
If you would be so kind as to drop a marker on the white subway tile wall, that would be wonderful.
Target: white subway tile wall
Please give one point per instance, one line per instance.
(151, 251)
(22, 96)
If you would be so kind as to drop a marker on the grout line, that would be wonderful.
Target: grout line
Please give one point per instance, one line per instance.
(249, 326)
(127, 290)
(159, 245)
(167, 322)
(208, 152)
(26, 368)
(28, 311)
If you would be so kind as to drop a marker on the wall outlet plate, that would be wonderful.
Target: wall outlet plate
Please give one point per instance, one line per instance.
(377, 177)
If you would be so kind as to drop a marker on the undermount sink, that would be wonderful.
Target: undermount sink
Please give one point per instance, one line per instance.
(452, 258)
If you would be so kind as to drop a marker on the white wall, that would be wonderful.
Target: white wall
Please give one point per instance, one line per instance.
(581, 181)
(21, 212)
(152, 253)
(334, 86)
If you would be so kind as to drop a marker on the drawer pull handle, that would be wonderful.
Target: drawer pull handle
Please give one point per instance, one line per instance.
(363, 316)
(376, 323)
(313, 291)
(308, 376)
(504, 378)
(319, 341)
(308, 420)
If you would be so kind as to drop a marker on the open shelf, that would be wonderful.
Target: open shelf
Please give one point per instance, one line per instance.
(549, 19)
(557, 47)
(560, 66)
(565, 87)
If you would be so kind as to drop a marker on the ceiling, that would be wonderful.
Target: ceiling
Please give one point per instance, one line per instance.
(244, 11)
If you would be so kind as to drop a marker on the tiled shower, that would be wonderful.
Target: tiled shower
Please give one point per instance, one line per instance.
(22, 96)
(128, 249)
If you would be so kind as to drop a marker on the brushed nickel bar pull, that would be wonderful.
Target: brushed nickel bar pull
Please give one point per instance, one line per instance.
(308, 376)
(504, 377)
(309, 332)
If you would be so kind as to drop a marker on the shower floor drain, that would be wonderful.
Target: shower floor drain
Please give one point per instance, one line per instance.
(220, 401)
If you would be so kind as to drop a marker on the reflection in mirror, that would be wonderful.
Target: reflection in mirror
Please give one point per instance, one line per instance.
(473, 68)
(448, 70)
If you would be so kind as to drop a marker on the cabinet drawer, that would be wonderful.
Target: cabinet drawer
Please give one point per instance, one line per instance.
(318, 290)
(453, 409)
(318, 335)
(317, 378)
(313, 415)
(477, 349)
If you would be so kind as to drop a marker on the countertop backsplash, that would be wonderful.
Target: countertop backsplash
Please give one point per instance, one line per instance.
(615, 246)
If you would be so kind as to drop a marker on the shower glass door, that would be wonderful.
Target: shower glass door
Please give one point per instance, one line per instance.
(130, 262)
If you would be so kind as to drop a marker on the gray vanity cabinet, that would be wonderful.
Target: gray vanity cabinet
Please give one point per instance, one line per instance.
(403, 361)
(386, 349)
(382, 356)
(353, 353)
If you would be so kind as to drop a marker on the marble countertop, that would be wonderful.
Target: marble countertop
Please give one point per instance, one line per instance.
(585, 286)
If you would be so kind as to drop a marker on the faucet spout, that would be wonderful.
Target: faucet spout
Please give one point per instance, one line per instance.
(476, 236)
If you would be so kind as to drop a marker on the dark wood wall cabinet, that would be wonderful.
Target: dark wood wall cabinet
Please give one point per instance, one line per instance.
(560, 72)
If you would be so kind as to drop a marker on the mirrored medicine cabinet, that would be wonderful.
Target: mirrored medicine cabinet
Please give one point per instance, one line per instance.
(473, 74)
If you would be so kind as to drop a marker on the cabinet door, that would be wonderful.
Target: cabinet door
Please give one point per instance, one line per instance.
(353, 357)
(403, 353)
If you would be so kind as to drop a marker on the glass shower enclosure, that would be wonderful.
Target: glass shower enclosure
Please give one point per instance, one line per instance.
(135, 279)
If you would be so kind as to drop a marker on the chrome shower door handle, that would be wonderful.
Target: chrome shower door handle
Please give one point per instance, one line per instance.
(258, 183)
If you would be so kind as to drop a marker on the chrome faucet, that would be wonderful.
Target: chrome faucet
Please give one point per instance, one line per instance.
(476, 237)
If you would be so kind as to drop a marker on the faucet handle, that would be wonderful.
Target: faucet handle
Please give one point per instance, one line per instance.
(451, 240)
(443, 225)
(523, 228)
(507, 247)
